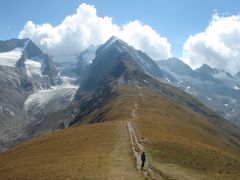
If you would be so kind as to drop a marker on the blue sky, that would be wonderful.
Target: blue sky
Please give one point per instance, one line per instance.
(173, 19)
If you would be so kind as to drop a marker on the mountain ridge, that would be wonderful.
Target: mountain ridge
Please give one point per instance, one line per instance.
(217, 89)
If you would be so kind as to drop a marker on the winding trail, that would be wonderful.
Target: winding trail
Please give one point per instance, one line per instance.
(149, 172)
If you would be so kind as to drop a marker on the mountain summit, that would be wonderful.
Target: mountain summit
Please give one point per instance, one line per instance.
(116, 53)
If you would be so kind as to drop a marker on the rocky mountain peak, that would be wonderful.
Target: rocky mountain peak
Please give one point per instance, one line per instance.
(206, 69)
(11, 44)
(110, 54)
(177, 66)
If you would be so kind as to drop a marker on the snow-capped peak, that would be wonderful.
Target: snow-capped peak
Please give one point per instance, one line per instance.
(110, 41)
(33, 67)
(10, 58)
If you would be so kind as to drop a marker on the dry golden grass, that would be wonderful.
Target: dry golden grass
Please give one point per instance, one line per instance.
(96, 151)
(183, 144)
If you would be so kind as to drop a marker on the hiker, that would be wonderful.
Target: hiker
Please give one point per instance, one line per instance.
(143, 159)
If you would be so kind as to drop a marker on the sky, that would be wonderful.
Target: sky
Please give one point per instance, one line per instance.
(161, 28)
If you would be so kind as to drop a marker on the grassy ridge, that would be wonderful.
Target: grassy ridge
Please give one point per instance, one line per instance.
(185, 143)
(96, 151)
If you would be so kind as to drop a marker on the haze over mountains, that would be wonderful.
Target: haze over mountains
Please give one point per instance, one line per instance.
(111, 85)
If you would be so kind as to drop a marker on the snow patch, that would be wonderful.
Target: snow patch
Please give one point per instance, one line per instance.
(10, 58)
(41, 98)
(209, 99)
(33, 67)
(236, 87)
(226, 105)
(68, 82)
(168, 80)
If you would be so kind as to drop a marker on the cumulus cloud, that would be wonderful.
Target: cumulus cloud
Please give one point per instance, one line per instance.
(78, 31)
(217, 46)
(145, 38)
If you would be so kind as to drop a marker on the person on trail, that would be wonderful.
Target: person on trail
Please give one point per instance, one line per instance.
(143, 159)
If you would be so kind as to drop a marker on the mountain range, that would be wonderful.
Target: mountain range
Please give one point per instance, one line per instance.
(217, 89)
(110, 103)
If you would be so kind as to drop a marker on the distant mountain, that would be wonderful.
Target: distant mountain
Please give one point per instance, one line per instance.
(177, 66)
(216, 88)
(25, 55)
(213, 73)
(84, 59)
(24, 70)
(11, 44)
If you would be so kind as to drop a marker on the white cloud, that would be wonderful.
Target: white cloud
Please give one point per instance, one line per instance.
(80, 30)
(145, 38)
(218, 45)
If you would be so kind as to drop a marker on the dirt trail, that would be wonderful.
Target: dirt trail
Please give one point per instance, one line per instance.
(140, 92)
(138, 148)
